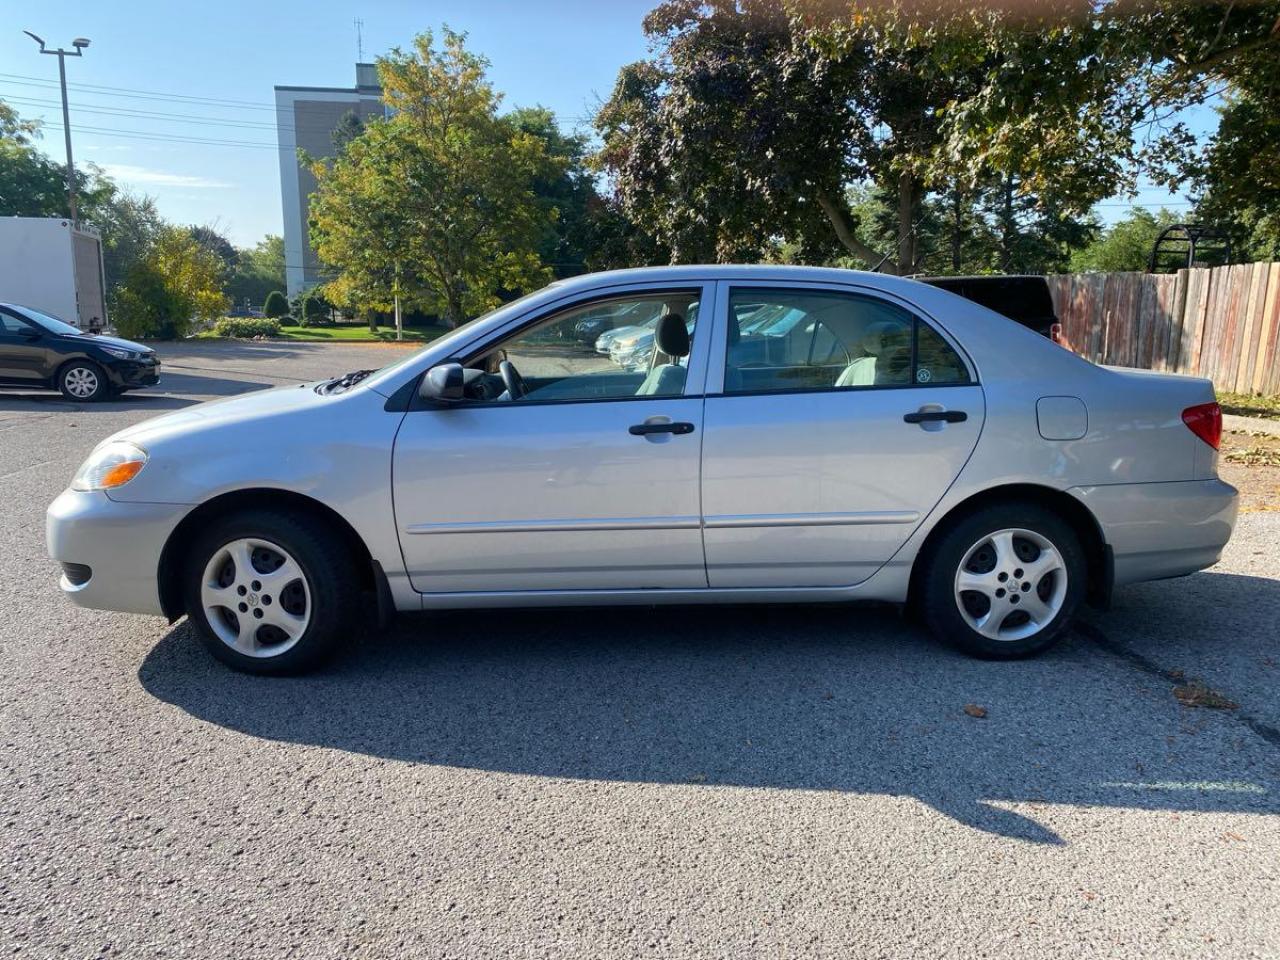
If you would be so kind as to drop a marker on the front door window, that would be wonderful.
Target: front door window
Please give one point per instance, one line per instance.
(634, 346)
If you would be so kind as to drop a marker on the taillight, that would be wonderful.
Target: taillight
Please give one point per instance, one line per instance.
(1205, 421)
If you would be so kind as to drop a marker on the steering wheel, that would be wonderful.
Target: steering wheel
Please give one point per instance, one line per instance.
(512, 380)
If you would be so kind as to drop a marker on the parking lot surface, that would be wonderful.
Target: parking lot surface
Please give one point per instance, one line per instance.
(678, 782)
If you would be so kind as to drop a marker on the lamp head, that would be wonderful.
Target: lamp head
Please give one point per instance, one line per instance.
(35, 38)
(80, 42)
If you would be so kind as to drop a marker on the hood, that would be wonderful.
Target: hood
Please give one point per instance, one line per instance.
(103, 341)
(633, 339)
(617, 332)
(256, 405)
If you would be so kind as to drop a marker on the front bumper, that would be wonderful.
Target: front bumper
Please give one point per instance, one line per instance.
(1159, 530)
(130, 374)
(120, 544)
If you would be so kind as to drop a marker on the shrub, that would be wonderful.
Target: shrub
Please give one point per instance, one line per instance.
(313, 310)
(275, 306)
(247, 327)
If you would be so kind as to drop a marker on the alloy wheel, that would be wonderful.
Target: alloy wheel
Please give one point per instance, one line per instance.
(81, 382)
(1011, 584)
(255, 597)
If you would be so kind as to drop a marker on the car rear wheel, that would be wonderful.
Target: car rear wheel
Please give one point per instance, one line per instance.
(1004, 582)
(83, 380)
(270, 593)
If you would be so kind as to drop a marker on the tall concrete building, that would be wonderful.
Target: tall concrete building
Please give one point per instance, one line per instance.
(306, 118)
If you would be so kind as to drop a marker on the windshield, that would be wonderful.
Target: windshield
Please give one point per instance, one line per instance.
(52, 324)
(413, 355)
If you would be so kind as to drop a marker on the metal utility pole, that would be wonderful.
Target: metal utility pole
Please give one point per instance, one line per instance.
(79, 44)
(399, 324)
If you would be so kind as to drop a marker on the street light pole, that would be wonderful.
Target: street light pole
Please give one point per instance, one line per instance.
(79, 44)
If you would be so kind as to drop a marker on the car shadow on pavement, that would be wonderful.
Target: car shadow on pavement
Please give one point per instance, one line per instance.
(176, 390)
(852, 699)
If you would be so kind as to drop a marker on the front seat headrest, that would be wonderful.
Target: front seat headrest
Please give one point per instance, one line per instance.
(882, 337)
(671, 336)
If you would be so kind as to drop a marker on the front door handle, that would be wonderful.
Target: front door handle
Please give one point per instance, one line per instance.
(936, 416)
(644, 429)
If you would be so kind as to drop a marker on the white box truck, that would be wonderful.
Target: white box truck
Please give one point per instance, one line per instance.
(53, 266)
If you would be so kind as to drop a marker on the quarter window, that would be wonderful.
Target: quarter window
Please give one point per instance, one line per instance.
(789, 340)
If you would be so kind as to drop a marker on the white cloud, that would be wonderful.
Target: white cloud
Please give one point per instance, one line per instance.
(159, 178)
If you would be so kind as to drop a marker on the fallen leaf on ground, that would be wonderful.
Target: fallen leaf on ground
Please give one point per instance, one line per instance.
(1197, 694)
(973, 710)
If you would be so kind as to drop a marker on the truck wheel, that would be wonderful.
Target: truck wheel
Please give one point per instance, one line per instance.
(271, 593)
(83, 380)
(1004, 582)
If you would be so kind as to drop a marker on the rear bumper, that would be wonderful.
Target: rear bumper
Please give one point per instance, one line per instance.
(119, 543)
(1158, 530)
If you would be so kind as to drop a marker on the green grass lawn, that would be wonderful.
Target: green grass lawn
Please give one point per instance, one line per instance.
(346, 333)
(1247, 405)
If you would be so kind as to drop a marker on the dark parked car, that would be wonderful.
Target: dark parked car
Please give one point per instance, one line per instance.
(588, 329)
(1025, 299)
(37, 350)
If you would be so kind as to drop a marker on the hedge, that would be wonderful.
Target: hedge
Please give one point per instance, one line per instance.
(247, 327)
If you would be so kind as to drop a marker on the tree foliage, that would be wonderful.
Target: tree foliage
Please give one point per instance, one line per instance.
(435, 202)
(754, 117)
(34, 185)
(177, 281)
(258, 271)
(1126, 245)
(1198, 52)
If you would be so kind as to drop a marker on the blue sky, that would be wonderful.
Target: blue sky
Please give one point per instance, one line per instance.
(168, 58)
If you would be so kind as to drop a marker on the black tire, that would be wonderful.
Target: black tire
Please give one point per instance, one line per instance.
(79, 370)
(332, 580)
(941, 601)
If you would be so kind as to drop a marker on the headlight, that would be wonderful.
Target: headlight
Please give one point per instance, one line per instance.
(117, 352)
(111, 465)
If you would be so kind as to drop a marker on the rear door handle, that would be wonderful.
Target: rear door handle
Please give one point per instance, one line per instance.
(931, 416)
(644, 429)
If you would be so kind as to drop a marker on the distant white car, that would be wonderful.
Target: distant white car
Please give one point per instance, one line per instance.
(606, 340)
(895, 442)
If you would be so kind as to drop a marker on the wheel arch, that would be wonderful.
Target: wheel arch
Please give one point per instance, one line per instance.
(1081, 518)
(173, 559)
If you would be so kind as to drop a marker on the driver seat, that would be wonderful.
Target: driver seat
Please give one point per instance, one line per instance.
(670, 338)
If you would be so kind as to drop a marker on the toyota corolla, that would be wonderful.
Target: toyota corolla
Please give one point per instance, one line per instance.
(895, 443)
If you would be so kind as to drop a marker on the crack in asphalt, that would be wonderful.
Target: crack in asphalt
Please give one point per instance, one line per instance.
(1144, 663)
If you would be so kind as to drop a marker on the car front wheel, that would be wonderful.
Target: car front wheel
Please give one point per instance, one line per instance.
(1004, 582)
(83, 380)
(271, 593)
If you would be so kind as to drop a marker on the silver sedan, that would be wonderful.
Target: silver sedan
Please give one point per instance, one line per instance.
(890, 442)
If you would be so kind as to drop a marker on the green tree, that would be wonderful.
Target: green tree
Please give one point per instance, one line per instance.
(276, 305)
(1193, 53)
(177, 282)
(34, 185)
(349, 127)
(754, 117)
(566, 191)
(1126, 246)
(437, 201)
(258, 271)
(130, 224)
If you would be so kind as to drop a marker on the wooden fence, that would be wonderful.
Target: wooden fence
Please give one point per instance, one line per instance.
(1217, 322)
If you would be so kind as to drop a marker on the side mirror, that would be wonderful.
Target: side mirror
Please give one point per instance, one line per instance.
(444, 383)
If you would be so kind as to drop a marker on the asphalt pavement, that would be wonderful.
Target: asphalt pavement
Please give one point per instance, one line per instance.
(679, 782)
